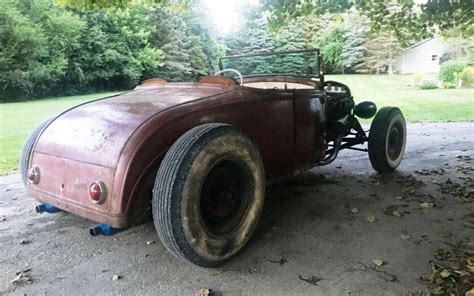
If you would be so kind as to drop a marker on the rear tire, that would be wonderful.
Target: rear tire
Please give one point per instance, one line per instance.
(208, 194)
(27, 148)
(387, 139)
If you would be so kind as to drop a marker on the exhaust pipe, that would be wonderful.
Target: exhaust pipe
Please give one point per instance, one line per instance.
(105, 229)
(333, 155)
(46, 208)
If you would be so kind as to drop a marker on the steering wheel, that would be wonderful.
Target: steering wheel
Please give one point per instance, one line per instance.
(231, 70)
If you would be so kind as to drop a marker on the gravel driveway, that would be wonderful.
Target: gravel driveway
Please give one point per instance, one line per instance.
(322, 233)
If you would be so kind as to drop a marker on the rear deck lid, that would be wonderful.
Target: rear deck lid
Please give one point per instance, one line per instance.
(97, 131)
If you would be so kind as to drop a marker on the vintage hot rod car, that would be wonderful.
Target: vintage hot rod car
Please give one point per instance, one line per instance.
(199, 155)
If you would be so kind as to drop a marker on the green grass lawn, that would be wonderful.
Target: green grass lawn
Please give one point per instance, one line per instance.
(416, 104)
(19, 119)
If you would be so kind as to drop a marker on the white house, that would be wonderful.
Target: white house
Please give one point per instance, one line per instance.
(421, 57)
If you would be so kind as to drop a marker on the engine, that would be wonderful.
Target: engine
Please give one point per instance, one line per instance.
(341, 120)
(339, 109)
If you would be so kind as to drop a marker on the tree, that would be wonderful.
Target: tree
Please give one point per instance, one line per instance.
(405, 18)
(91, 4)
(448, 14)
(116, 51)
(51, 50)
(290, 38)
(204, 48)
(331, 44)
(36, 39)
(356, 35)
(382, 51)
(253, 36)
(282, 10)
(170, 36)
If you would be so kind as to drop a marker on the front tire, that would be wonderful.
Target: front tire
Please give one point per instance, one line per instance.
(387, 139)
(208, 194)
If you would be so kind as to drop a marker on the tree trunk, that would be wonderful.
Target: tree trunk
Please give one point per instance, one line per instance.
(390, 58)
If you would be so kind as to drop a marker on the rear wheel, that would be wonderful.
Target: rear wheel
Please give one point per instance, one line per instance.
(208, 194)
(28, 148)
(387, 139)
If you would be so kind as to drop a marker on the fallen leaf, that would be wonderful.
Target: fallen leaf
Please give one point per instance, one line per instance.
(21, 278)
(452, 277)
(445, 274)
(393, 210)
(203, 292)
(470, 292)
(151, 242)
(378, 262)
(313, 280)
(354, 210)
(25, 242)
(398, 197)
(370, 219)
(470, 265)
(426, 205)
(397, 214)
(405, 236)
(116, 277)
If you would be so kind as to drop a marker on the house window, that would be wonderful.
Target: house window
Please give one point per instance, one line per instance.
(434, 57)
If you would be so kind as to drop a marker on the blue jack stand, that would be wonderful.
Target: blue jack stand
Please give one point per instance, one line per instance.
(105, 229)
(46, 208)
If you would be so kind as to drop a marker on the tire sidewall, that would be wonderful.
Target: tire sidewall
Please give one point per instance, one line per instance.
(378, 142)
(395, 117)
(203, 243)
(178, 184)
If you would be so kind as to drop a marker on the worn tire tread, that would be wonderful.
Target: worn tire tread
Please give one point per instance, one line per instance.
(169, 183)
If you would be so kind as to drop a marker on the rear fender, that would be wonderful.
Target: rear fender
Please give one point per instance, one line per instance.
(144, 151)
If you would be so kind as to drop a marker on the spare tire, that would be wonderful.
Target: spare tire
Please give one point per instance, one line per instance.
(27, 148)
(209, 194)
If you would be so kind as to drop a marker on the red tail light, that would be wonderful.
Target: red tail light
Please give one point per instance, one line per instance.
(97, 192)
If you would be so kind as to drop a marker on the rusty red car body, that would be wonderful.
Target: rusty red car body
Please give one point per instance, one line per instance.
(198, 155)
(127, 135)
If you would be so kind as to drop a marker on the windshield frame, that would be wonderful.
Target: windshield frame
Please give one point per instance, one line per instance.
(315, 50)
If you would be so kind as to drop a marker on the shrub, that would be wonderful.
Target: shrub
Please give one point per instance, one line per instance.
(467, 76)
(450, 68)
(449, 85)
(428, 84)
